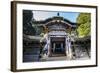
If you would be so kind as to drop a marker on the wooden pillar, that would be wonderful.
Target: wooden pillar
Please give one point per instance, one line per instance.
(61, 45)
(54, 47)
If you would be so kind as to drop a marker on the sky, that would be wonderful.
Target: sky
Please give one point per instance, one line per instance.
(42, 15)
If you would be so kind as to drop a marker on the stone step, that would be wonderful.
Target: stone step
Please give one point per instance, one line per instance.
(54, 58)
(57, 55)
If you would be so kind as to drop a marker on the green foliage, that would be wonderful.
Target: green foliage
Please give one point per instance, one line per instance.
(84, 24)
(38, 30)
(27, 16)
(27, 25)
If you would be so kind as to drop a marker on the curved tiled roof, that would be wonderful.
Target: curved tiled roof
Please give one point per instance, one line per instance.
(43, 22)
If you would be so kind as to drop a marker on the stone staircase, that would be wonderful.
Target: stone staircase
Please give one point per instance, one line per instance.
(54, 58)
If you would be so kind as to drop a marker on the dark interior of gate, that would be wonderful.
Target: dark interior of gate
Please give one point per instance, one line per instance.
(58, 46)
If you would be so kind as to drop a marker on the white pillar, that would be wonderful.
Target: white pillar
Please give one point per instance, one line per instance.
(69, 49)
(66, 46)
(49, 50)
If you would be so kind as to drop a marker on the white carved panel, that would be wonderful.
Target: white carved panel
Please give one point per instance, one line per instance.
(57, 33)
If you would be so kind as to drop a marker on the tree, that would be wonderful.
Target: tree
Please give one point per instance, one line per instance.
(27, 22)
(27, 16)
(84, 24)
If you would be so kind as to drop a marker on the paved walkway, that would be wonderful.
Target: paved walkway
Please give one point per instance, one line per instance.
(54, 58)
(62, 58)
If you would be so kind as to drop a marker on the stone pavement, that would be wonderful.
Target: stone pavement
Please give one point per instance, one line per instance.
(62, 58)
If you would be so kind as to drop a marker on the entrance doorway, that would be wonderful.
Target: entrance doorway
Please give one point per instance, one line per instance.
(58, 45)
